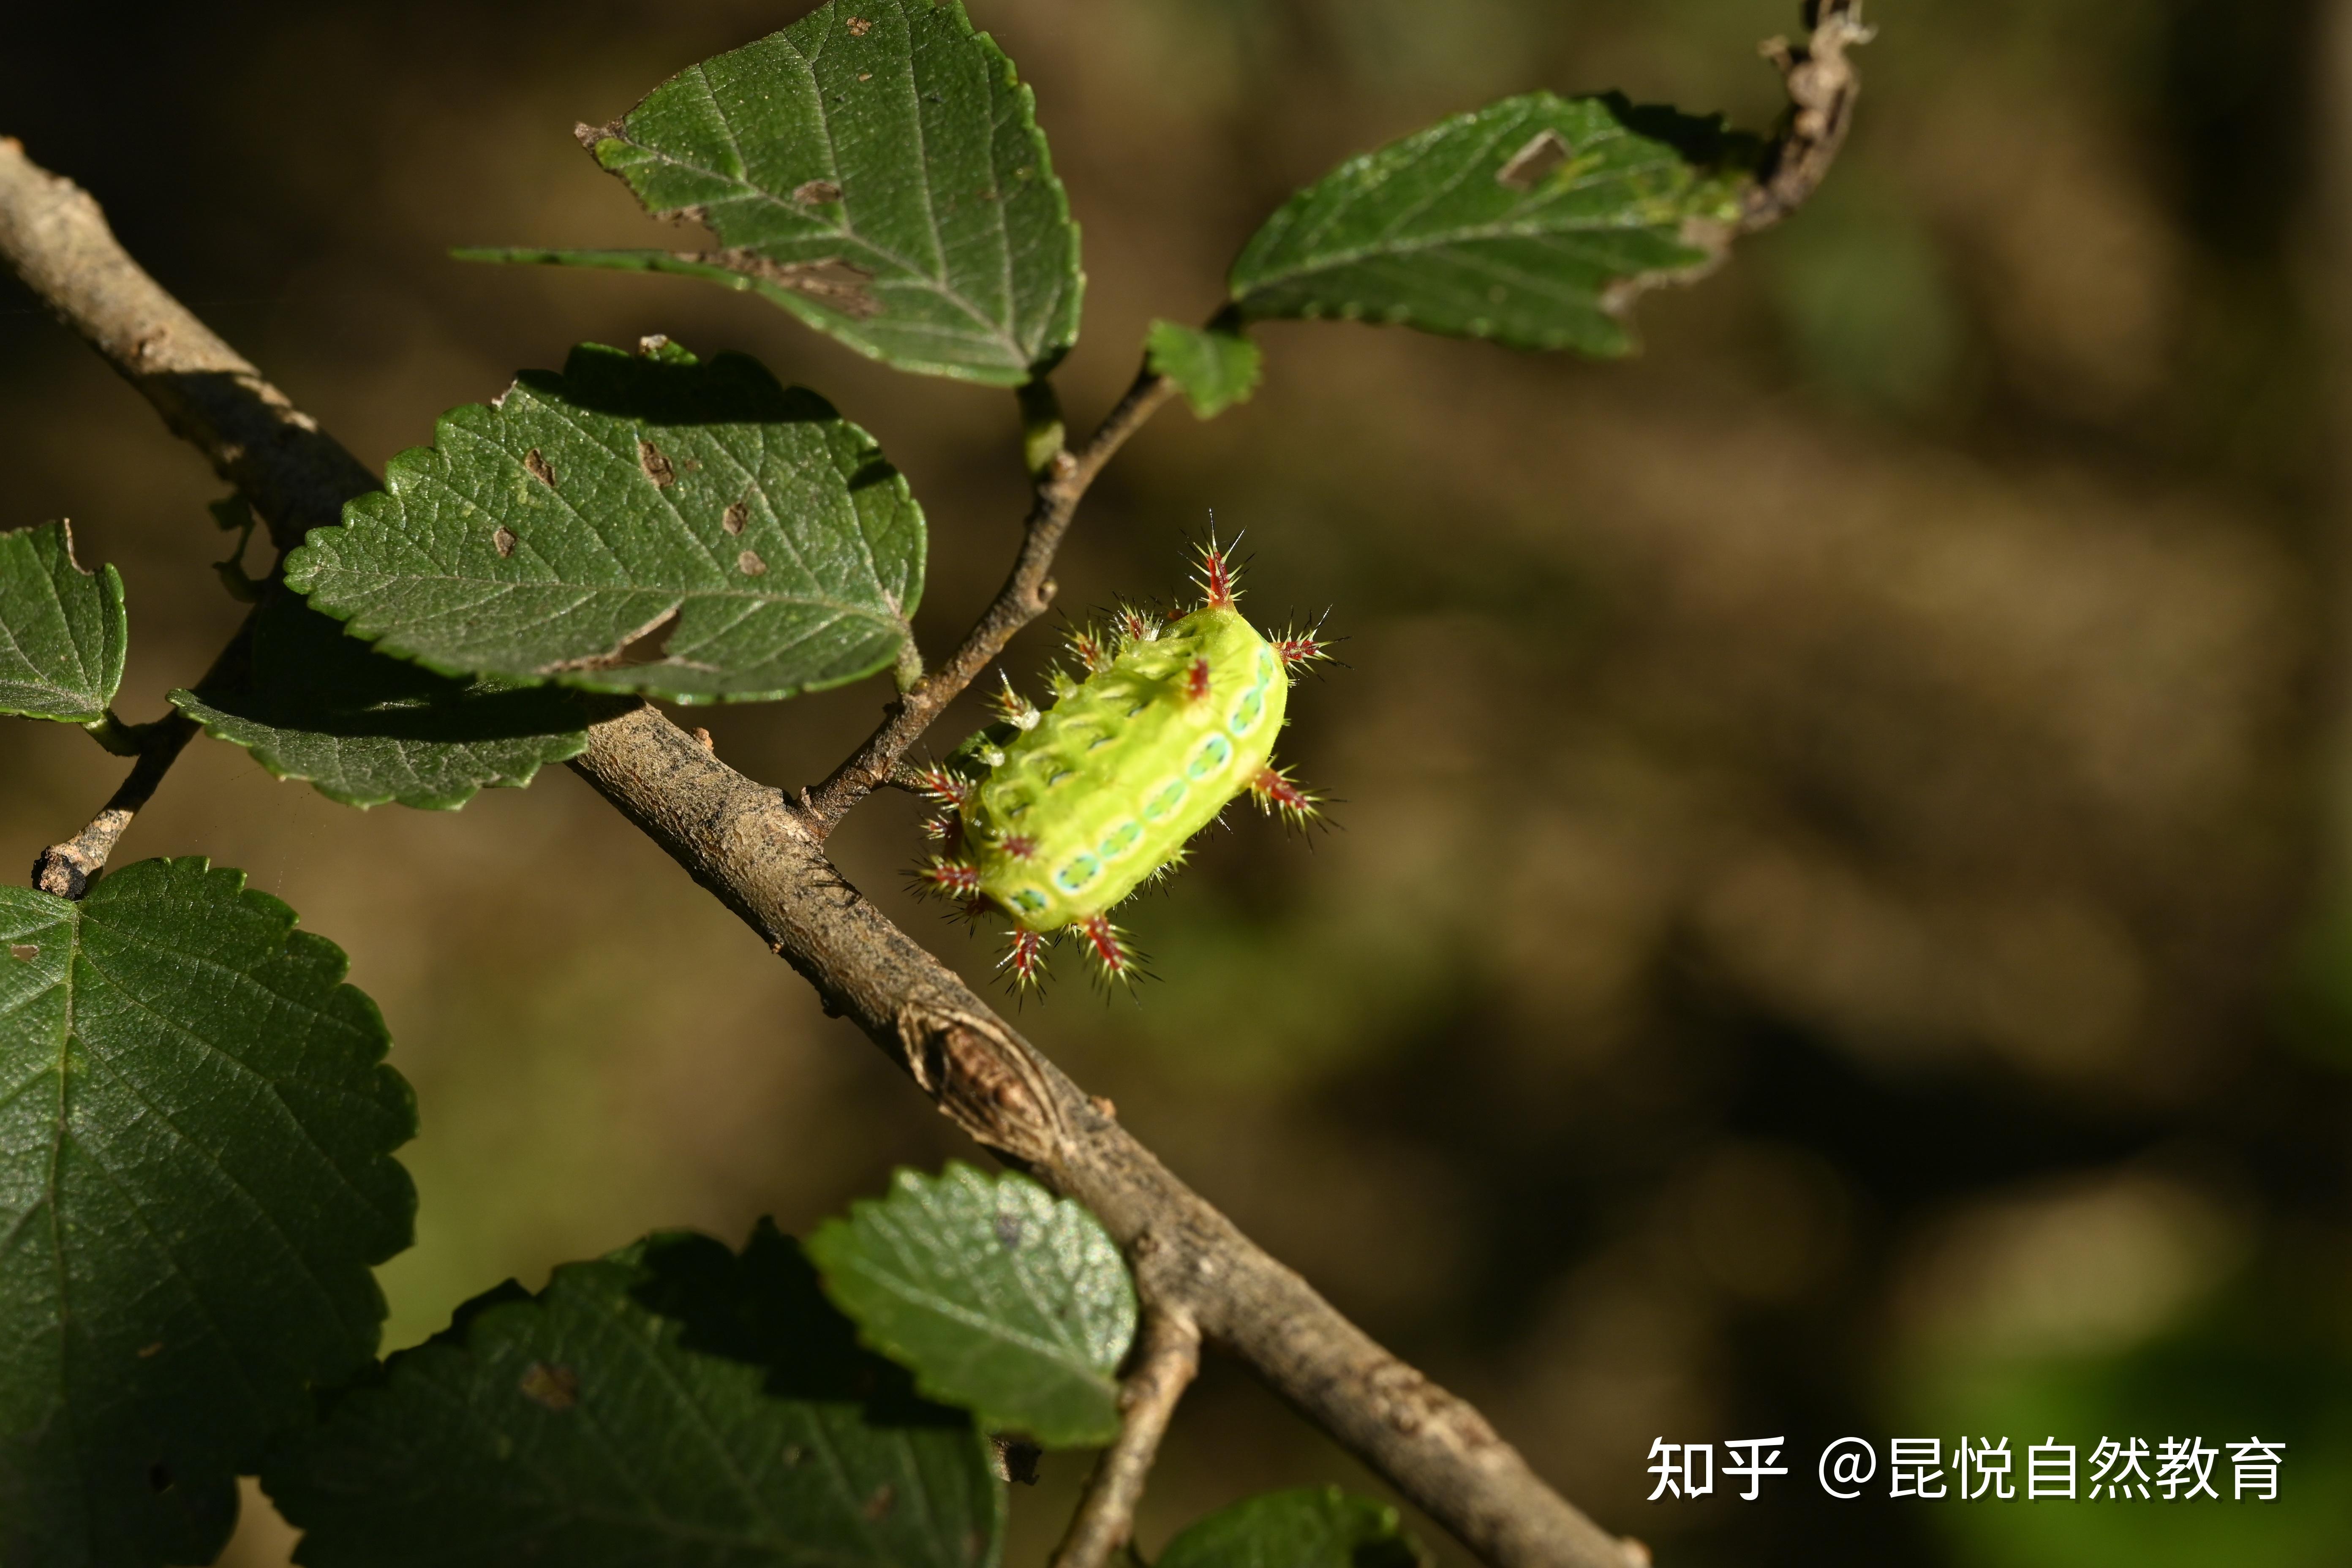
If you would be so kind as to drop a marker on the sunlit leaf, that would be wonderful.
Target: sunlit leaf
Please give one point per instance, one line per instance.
(196, 1134)
(646, 523)
(877, 170)
(1532, 221)
(62, 630)
(673, 1402)
(999, 1297)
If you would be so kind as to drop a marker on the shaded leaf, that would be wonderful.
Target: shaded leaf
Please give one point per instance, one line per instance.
(1001, 1299)
(672, 1402)
(366, 728)
(196, 1134)
(62, 630)
(744, 534)
(1532, 221)
(1215, 368)
(1305, 1527)
(877, 170)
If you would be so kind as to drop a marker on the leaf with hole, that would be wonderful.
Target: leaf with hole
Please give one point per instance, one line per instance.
(196, 1127)
(63, 632)
(672, 1402)
(1532, 223)
(642, 523)
(1305, 1527)
(999, 1297)
(877, 170)
(365, 729)
(1214, 368)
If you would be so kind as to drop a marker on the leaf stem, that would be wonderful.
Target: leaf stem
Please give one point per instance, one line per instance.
(1167, 1358)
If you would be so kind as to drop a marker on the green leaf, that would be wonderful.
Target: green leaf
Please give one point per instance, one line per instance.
(877, 170)
(196, 1125)
(1308, 1527)
(366, 729)
(1532, 221)
(1216, 369)
(62, 630)
(999, 1298)
(540, 538)
(672, 1402)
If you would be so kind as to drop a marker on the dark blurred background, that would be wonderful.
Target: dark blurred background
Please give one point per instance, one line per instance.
(1837, 923)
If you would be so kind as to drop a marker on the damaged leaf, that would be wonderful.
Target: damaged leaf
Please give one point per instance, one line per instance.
(196, 1127)
(877, 170)
(1533, 223)
(367, 728)
(672, 1402)
(708, 535)
(63, 632)
(999, 1297)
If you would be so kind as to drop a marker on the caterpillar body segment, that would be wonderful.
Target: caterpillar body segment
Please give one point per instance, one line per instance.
(1057, 815)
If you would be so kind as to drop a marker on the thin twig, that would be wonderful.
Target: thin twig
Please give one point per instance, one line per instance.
(68, 869)
(1167, 1357)
(1822, 87)
(1061, 483)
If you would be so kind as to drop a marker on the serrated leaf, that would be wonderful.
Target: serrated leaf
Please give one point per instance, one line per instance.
(540, 538)
(63, 632)
(1531, 222)
(197, 1126)
(366, 729)
(999, 1299)
(1216, 369)
(1305, 1527)
(877, 170)
(672, 1402)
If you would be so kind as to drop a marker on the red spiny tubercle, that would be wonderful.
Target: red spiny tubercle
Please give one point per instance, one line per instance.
(1025, 961)
(1108, 945)
(956, 877)
(1277, 793)
(1218, 577)
(942, 787)
(1088, 650)
(1298, 648)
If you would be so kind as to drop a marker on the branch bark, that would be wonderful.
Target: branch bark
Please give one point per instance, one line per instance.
(764, 859)
(1822, 87)
(1167, 1358)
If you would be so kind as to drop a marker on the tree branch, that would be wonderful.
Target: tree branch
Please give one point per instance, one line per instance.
(1062, 477)
(1167, 1357)
(765, 860)
(68, 869)
(1822, 87)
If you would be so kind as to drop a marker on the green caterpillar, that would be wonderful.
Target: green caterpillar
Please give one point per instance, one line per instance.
(1086, 801)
